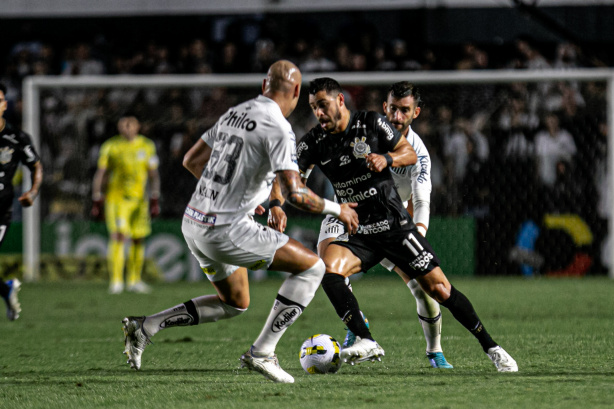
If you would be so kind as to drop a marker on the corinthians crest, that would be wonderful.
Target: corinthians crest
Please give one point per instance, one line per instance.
(361, 148)
(6, 154)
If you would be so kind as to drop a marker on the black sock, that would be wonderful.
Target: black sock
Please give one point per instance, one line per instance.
(4, 289)
(463, 311)
(345, 304)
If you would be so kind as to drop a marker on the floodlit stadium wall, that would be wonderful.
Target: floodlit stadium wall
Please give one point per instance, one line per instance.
(484, 129)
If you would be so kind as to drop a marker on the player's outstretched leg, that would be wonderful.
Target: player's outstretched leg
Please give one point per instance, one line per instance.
(429, 314)
(9, 295)
(135, 340)
(364, 348)
(350, 337)
(294, 295)
(436, 284)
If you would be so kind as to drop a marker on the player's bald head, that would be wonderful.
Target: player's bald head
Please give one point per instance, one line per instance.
(282, 77)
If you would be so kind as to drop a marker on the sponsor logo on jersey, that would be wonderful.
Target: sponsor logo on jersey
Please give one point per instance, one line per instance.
(359, 125)
(422, 261)
(180, 320)
(352, 182)
(424, 161)
(373, 228)
(348, 195)
(386, 128)
(301, 147)
(240, 121)
(285, 318)
(198, 216)
(6, 154)
(361, 147)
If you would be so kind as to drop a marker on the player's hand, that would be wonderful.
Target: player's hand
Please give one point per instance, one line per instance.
(349, 217)
(375, 162)
(260, 210)
(154, 207)
(277, 219)
(98, 209)
(27, 199)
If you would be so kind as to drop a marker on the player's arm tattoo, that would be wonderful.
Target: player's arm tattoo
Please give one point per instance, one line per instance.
(297, 193)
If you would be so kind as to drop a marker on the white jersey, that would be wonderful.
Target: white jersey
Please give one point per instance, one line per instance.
(249, 143)
(416, 180)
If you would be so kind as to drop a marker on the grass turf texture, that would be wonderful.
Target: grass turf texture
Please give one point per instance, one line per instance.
(65, 351)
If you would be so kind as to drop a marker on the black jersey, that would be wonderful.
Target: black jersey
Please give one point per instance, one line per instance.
(341, 157)
(15, 146)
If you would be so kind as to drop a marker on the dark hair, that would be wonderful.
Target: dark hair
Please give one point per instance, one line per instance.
(404, 89)
(3, 88)
(324, 84)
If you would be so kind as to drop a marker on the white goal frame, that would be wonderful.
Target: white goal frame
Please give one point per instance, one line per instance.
(32, 87)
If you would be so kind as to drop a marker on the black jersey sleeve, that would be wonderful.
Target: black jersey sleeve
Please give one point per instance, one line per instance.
(387, 134)
(27, 153)
(305, 151)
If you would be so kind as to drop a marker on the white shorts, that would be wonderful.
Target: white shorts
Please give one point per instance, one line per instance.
(332, 227)
(246, 243)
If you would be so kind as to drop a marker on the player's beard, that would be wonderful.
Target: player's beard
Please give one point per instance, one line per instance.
(333, 123)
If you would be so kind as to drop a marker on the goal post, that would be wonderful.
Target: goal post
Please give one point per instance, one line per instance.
(35, 85)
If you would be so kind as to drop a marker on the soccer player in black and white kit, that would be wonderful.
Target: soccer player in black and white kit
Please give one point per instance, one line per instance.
(15, 148)
(236, 162)
(413, 183)
(356, 150)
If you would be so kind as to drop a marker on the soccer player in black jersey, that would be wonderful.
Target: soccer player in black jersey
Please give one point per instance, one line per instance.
(15, 147)
(355, 150)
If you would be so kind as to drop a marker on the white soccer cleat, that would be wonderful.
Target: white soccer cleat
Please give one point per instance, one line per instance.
(135, 340)
(267, 366)
(362, 350)
(116, 288)
(502, 360)
(139, 287)
(13, 308)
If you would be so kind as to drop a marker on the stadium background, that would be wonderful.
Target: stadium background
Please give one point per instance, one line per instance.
(488, 200)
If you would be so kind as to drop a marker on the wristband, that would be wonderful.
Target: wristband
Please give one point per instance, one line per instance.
(388, 159)
(305, 175)
(331, 208)
(274, 203)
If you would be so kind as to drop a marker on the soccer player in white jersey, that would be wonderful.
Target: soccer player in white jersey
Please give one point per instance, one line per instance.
(236, 162)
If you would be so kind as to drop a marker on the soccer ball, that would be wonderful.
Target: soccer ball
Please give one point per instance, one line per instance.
(320, 354)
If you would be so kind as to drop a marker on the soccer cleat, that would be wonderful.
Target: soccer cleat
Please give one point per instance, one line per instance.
(116, 288)
(13, 308)
(437, 360)
(502, 360)
(267, 366)
(350, 337)
(135, 340)
(139, 287)
(362, 350)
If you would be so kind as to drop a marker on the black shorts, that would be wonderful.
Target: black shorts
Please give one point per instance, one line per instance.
(6, 214)
(405, 247)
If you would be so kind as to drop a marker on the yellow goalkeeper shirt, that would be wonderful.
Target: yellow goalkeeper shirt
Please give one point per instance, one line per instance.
(128, 163)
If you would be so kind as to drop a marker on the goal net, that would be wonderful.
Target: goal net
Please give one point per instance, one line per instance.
(522, 156)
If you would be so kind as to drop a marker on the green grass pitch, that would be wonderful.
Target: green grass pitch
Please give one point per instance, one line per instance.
(65, 351)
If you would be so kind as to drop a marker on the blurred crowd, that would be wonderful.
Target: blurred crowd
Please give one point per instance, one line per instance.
(500, 152)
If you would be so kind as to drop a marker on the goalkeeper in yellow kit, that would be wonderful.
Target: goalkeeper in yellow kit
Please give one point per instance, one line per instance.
(126, 165)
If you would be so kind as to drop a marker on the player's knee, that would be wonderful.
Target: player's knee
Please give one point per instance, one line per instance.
(233, 311)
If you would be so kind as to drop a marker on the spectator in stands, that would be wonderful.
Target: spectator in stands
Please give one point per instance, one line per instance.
(79, 61)
(552, 144)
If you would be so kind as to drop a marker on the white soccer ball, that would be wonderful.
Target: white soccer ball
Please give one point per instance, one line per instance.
(320, 354)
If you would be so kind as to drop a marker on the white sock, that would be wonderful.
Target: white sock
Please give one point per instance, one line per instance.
(429, 313)
(207, 308)
(295, 294)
